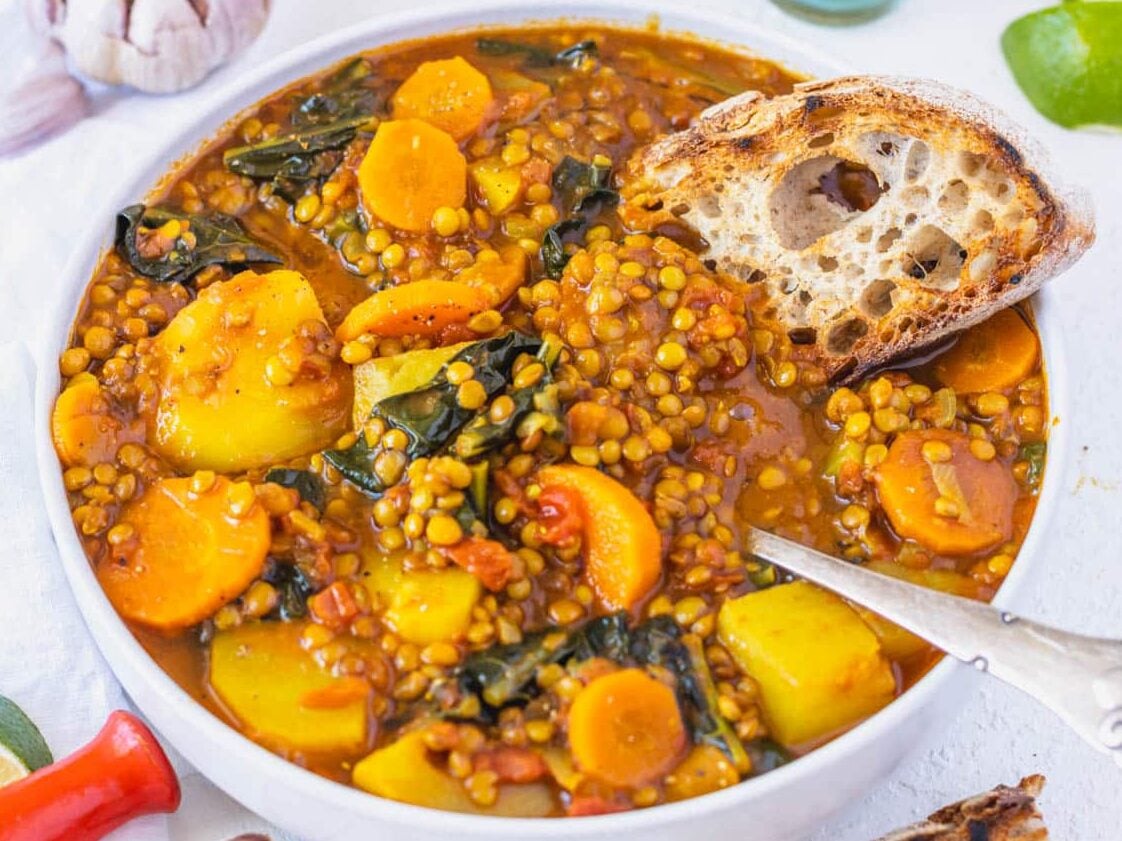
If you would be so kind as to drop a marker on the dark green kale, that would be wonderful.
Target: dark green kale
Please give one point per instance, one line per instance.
(202, 241)
(307, 484)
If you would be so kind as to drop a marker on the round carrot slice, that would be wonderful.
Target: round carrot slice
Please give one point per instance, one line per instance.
(993, 356)
(82, 426)
(625, 729)
(955, 506)
(421, 308)
(411, 169)
(449, 94)
(189, 554)
(622, 544)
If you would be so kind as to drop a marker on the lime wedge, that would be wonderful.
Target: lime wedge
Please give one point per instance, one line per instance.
(22, 749)
(1068, 61)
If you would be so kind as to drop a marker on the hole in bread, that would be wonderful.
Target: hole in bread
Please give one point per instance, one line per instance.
(864, 234)
(981, 266)
(934, 259)
(802, 335)
(827, 264)
(818, 197)
(955, 197)
(1000, 189)
(919, 156)
(821, 141)
(885, 240)
(876, 299)
(970, 164)
(910, 220)
(915, 196)
(843, 336)
(680, 209)
(983, 220)
(850, 185)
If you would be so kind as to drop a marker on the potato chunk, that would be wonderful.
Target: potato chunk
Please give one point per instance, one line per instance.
(403, 771)
(424, 606)
(229, 399)
(385, 376)
(819, 667)
(281, 695)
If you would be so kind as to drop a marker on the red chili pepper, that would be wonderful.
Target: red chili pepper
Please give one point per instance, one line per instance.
(120, 775)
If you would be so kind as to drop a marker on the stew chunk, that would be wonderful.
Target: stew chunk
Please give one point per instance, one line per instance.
(938, 491)
(248, 376)
(819, 667)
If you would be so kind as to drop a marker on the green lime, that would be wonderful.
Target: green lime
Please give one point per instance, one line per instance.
(22, 749)
(1068, 61)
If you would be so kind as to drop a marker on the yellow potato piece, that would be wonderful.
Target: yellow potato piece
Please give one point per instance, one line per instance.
(218, 408)
(403, 771)
(423, 606)
(897, 643)
(268, 682)
(499, 185)
(377, 379)
(819, 667)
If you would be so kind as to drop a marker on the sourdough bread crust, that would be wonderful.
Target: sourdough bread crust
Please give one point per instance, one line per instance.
(968, 219)
(1000, 814)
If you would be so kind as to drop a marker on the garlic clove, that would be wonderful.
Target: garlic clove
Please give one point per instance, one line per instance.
(158, 46)
(38, 96)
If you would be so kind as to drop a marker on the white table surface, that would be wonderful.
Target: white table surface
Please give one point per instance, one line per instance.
(999, 735)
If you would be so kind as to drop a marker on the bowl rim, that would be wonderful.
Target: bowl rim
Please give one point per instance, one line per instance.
(141, 675)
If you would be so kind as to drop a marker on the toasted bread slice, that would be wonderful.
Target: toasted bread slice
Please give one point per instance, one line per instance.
(1000, 814)
(883, 214)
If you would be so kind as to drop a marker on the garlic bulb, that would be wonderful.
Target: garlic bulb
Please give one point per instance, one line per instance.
(38, 96)
(158, 46)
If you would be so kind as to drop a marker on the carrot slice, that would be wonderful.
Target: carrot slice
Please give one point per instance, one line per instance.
(499, 273)
(411, 169)
(449, 94)
(82, 427)
(908, 486)
(421, 308)
(189, 554)
(993, 356)
(622, 544)
(625, 729)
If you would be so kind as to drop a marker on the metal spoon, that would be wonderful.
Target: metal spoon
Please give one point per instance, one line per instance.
(1077, 677)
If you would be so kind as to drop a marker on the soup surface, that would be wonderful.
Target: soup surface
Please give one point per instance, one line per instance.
(400, 453)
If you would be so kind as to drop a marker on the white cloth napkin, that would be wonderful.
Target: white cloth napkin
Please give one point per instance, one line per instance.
(49, 664)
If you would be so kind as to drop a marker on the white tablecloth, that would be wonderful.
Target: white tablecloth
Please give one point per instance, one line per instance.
(49, 665)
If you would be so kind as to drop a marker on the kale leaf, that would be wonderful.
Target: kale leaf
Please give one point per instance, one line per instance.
(584, 192)
(342, 96)
(293, 586)
(539, 56)
(307, 484)
(201, 241)
(1034, 454)
(504, 674)
(484, 435)
(431, 416)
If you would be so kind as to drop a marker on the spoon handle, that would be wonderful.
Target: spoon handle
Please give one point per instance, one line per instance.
(1077, 677)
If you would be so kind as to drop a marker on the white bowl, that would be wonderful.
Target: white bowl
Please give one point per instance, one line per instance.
(783, 804)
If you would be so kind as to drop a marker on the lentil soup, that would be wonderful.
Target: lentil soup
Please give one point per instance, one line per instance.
(401, 453)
